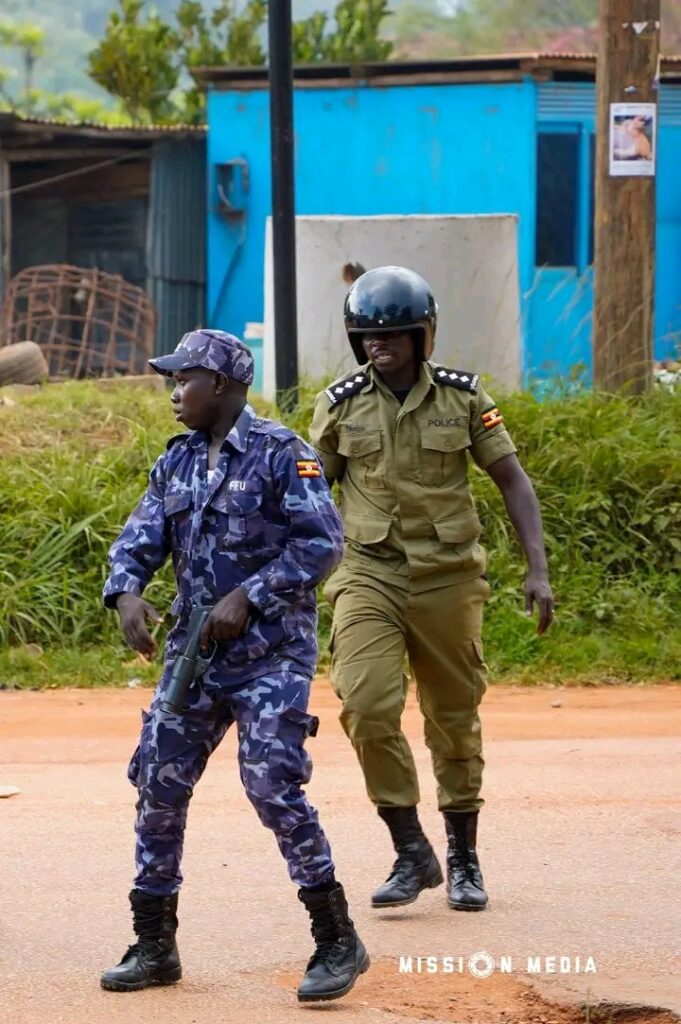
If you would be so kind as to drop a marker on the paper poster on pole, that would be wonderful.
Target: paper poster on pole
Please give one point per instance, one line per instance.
(633, 140)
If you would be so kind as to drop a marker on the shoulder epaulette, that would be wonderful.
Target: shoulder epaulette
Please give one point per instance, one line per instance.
(346, 387)
(177, 438)
(459, 379)
(274, 429)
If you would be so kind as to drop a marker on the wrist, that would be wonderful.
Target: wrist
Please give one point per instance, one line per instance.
(541, 576)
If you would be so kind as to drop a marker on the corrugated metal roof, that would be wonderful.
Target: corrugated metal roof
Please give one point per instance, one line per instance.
(492, 67)
(143, 129)
(13, 124)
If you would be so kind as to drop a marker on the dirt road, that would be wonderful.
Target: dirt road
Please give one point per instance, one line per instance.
(580, 843)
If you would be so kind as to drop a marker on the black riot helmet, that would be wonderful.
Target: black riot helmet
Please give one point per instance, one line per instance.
(390, 299)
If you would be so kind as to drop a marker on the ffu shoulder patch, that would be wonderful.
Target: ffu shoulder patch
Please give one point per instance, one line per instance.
(346, 387)
(459, 379)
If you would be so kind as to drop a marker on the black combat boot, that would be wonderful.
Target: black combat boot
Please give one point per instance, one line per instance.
(465, 885)
(416, 868)
(154, 959)
(340, 957)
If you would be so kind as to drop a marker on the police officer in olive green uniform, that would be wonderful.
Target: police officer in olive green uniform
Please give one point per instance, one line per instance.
(396, 435)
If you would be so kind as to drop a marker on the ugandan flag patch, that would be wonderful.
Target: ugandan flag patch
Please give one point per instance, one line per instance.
(492, 418)
(308, 468)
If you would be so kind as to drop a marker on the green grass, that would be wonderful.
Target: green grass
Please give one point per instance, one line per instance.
(75, 459)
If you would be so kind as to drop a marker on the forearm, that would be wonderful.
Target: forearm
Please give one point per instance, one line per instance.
(297, 572)
(131, 568)
(525, 515)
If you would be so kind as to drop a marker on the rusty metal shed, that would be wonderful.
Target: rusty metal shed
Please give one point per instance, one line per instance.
(128, 201)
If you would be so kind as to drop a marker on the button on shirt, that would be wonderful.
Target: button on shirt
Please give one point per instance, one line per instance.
(264, 522)
(403, 471)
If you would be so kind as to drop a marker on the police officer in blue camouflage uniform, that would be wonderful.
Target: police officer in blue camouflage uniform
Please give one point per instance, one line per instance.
(243, 509)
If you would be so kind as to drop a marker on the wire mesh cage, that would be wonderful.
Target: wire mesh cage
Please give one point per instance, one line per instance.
(88, 323)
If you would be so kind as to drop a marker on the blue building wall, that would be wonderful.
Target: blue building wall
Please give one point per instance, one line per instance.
(429, 149)
(559, 306)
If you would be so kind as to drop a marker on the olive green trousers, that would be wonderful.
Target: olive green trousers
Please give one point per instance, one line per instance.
(376, 623)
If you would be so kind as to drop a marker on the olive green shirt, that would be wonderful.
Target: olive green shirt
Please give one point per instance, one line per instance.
(403, 473)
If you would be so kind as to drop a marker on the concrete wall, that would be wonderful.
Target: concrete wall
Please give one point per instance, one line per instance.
(470, 263)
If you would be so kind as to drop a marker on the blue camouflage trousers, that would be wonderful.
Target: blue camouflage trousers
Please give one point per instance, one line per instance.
(272, 721)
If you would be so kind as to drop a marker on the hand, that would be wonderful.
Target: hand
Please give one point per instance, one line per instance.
(134, 611)
(228, 619)
(538, 591)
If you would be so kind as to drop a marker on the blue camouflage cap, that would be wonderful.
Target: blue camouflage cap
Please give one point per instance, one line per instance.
(212, 350)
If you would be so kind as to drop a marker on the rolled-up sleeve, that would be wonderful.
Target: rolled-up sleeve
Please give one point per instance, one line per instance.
(324, 438)
(142, 546)
(314, 544)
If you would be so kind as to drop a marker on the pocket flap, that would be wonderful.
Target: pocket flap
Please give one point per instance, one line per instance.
(309, 723)
(450, 440)
(459, 528)
(354, 446)
(365, 530)
(176, 501)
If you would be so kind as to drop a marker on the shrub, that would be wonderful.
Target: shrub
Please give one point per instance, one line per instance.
(75, 458)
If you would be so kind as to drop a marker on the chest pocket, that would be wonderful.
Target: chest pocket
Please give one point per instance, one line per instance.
(177, 507)
(443, 454)
(365, 458)
(238, 514)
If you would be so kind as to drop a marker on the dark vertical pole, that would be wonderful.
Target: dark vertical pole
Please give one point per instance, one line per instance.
(283, 200)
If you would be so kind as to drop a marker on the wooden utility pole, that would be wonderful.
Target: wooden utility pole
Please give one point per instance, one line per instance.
(628, 73)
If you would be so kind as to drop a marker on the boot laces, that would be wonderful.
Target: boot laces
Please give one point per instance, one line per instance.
(154, 928)
(407, 858)
(329, 934)
(464, 863)
(146, 949)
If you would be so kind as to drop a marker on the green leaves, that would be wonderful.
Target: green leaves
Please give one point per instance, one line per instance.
(138, 62)
(146, 62)
(357, 34)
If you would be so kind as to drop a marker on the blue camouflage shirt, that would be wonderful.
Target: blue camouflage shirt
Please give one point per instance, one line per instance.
(265, 522)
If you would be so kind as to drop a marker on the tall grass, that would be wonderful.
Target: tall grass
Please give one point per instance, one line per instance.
(74, 459)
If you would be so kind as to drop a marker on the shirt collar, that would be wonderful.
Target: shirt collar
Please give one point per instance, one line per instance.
(423, 383)
(237, 436)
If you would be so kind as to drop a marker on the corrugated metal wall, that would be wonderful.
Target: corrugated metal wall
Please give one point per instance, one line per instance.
(577, 101)
(176, 233)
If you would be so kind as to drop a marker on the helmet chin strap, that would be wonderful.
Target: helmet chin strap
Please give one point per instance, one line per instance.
(356, 339)
(418, 335)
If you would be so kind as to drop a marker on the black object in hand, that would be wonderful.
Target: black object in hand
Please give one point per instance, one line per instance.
(191, 663)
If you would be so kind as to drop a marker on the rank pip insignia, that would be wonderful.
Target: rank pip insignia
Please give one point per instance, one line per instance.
(459, 379)
(346, 388)
(492, 418)
(308, 468)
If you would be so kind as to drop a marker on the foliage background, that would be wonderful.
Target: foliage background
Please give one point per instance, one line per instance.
(75, 458)
(417, 28)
